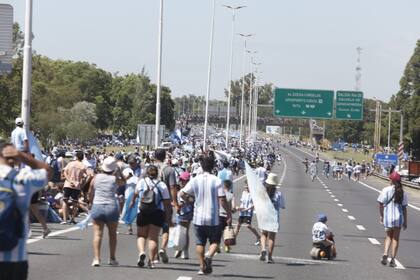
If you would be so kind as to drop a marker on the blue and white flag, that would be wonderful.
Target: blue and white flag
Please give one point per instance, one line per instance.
(267, 216)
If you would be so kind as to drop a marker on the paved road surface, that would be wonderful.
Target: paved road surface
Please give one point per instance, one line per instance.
(353, 216)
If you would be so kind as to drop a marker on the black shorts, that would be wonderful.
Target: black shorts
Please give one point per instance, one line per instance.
(121, 191)
(71, 194)
(244, 220)
(14, 270)
(155, 217)
(34, 198)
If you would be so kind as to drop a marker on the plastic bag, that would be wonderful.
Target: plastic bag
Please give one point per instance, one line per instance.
(177, 237)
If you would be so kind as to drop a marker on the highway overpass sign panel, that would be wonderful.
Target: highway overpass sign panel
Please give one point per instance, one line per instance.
(349, 105)
(303, 103)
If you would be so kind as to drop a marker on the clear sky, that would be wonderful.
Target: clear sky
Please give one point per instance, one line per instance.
(300, 43)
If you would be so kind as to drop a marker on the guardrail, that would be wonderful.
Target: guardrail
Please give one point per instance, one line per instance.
(405, 183)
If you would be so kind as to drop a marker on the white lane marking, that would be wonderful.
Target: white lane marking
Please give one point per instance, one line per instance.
(332, 196)
(351, 218)
(328, 190)
(54, 233)
(284, 172)
(284, 259)
(336, 200)
(374, 241)
(360, 227)
(339, 204)
(238, 179)
(399, 265)
(345, 210)
(183, 278)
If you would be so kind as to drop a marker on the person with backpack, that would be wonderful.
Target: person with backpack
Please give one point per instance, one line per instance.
(393, 215)
(154, 211)
(16, 189)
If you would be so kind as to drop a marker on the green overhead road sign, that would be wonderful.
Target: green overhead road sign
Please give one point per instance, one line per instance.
(349, 105)
(303, 103)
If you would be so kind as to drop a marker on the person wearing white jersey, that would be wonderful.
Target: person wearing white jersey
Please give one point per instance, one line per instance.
(321, 235)
(208, 192)
(261, 171)
(19, 138)
(393, 215)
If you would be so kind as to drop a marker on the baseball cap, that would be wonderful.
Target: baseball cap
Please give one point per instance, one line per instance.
(395, 176)
(322, 218)
(19, 120)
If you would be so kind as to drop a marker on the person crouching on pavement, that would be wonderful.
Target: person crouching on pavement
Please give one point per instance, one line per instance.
(276, 197)
(322, 236)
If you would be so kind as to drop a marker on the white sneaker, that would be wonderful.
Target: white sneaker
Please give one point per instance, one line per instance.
(185, 255)
(96, 263)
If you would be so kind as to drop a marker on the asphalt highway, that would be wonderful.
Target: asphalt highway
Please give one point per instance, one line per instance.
(352, 213)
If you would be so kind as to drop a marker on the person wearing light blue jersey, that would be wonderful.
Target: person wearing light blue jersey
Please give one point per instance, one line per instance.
(24, 183)
(393, 215)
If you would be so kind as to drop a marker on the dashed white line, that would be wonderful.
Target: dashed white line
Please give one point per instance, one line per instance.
(339, 204)
(332, 196)
(360, 227)
(374, 241)
(336, 200)
(351, 218)
(345, 210)
(399, 265)
(184, 278)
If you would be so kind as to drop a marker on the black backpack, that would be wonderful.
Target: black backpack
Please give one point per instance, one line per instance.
(56, 174)
(11, 222)
(148, 201)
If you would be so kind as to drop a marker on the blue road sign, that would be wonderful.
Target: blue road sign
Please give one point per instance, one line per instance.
(386, 160)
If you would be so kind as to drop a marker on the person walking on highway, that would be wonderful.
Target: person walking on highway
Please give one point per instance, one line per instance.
(393, 215)
(268, 238)
(246, 210)
(168, 176)
(74, 173)
(154, 211)
(209, 196)
(104, 209)
(313, 170)
(16, 189)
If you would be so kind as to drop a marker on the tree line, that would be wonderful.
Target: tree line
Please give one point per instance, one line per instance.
(76, 100)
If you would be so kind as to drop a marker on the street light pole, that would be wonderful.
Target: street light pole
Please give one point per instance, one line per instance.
(209, 76)
(241, 131)
(233, 9)
(159, 74)
(250, 92)
(27, 67)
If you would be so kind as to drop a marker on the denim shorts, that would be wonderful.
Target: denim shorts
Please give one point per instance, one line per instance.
(106, 213)
(204, 233)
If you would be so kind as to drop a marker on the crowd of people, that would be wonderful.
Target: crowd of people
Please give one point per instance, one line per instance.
(155, 189)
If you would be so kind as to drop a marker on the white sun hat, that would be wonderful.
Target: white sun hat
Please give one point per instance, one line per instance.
(272, 179)
(109, 164)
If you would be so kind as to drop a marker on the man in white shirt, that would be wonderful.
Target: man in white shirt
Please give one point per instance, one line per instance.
(208, 192)
(261, 171)
(19, 138)
(321, 235)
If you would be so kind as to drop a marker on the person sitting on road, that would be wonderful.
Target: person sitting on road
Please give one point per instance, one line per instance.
(322, 236)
